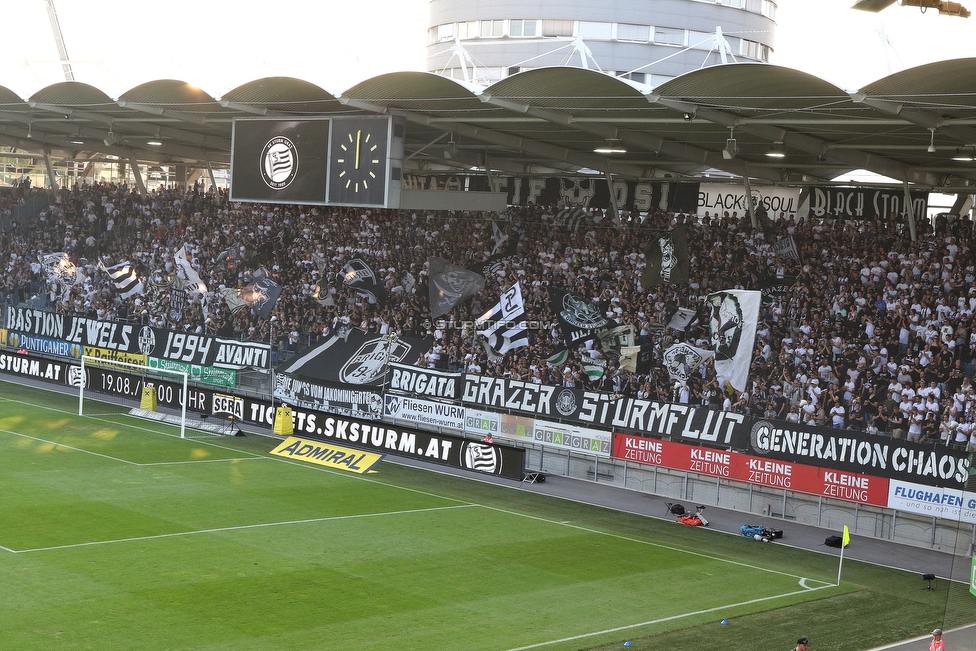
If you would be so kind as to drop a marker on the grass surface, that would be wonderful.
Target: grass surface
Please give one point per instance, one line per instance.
(117, 534)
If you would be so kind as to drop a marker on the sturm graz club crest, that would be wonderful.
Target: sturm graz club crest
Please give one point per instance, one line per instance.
(481, 457)
(370, 362)
(760, 436)
(681, 360)
(581, 313)
(279, 163)
(566, 403)
(726, 324)
(147, 340)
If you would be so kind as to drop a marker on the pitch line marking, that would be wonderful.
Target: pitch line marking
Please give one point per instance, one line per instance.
(667, 619)
(241, 527)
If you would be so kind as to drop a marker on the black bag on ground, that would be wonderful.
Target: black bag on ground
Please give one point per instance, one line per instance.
(675, 509)
(834, 541)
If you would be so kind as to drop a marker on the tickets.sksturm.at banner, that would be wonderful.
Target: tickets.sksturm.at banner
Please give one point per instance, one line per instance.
(425, 382)
(455, 451)
(133, 339)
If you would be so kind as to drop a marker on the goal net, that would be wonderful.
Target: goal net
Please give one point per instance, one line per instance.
(108, 387)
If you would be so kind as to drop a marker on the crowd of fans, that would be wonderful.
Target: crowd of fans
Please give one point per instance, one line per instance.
(877, 331)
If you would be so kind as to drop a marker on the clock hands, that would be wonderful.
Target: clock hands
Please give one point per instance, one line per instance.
(359, 135)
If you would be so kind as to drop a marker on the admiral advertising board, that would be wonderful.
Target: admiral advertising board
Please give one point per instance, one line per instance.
(424, 412)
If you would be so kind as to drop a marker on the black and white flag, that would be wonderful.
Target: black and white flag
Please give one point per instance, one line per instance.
(682, 360)
(570, 219)
(124, 278)
(358, 275)
(503, 326)
(667, 259)
(260, 295)
(785, 247)
(450, 284)
(682, 318)
(579, 318)
(735, 315)
(62, 274)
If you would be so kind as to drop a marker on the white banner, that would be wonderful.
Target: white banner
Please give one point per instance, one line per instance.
(735, 313)
(947, 503)
(716, 199)
(424, 412)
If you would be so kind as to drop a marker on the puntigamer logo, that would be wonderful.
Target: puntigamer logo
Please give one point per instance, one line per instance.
(279, 163)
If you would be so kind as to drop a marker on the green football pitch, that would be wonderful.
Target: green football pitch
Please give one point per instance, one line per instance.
(117, 534)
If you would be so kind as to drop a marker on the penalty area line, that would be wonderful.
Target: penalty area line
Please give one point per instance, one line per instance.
(241, 527)
(661, 620)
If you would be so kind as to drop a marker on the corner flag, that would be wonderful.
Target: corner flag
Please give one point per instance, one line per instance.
(847, 536)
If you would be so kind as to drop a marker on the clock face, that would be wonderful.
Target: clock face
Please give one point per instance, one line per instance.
(358, 161)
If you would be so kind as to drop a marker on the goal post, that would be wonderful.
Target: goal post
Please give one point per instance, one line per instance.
(124, 384)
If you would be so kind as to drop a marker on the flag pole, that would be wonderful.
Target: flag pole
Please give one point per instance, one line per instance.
(843, 543)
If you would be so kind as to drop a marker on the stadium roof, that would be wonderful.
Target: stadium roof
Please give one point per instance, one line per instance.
(550, 121)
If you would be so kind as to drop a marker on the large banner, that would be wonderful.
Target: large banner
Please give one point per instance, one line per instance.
(356, 358)
(37, 368)
(717, 199)
(607, 411)
(859, 452)
(41, 329)
(865, 203)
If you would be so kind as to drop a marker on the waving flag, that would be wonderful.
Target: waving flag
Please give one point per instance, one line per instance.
(503, 326)
(124, 278)
(785, 247)
(62, 273)
(358, 275)
(449, 285)
(186, 273)
(260, 295)
(667, 259)
(735, 314)
(579, 317)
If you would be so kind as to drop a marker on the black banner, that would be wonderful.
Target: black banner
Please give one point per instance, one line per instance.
(858, 452)
(357, 358)
(864, 203)
(145, 340)
(38, 368)
(608, 411)
(579, 317)
(453, 451)
(416, 381)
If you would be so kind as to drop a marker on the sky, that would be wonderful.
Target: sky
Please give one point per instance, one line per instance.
(220, 45)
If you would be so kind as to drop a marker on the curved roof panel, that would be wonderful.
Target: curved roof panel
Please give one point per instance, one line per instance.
(552, 120)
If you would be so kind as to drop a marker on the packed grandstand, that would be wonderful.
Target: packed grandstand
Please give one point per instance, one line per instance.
(865, 330)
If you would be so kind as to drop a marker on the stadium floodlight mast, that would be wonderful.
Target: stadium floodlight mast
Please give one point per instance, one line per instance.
(134, 369)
